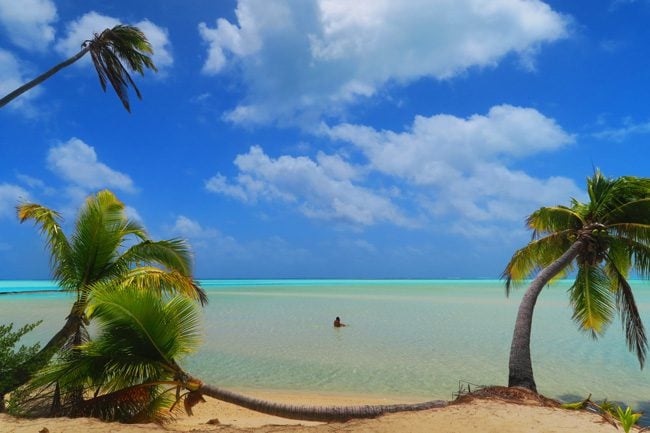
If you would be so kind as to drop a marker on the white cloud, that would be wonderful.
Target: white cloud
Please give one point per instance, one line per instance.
(442, 145)
(621, 134)
(191, 229)
(28, 22)
(77, 163)
(320, 190)
(305, 58)
(91, 23)
(10, 197)
(462, 164)
(207, 239)
(132, 213)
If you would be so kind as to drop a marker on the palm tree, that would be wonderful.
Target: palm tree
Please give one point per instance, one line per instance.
(96, 253)
(604, 239)
(131, 368)
(108, 51)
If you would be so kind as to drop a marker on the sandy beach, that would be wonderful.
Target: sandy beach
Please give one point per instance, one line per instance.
(479, 415)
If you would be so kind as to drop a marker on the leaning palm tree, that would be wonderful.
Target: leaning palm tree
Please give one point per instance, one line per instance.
(605, 239)
(132, 371)
(97, 252)
(109, 51)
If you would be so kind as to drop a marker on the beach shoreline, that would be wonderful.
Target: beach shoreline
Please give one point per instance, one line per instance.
(476, 415)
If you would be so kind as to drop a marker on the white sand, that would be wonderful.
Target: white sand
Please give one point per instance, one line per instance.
(477, 416)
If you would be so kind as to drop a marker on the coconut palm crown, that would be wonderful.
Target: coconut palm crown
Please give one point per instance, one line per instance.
(110, 51)
(106, 249)
(603, 240)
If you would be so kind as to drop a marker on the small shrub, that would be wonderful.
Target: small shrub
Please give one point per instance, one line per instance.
(11, 359)
(627, 418)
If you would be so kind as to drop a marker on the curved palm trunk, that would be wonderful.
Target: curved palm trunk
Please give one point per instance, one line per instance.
(38, 80)
(314, 413)
(521, 366)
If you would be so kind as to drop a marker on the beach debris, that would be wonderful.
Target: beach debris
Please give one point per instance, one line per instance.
(192, 399)
(213, 421)
(578, 405)
(44, 430)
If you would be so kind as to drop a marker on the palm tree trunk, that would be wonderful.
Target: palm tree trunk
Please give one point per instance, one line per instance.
(521, 365)
(314, 413)
(38, 80)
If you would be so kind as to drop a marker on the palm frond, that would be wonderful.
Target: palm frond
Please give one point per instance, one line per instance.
(538, 254)
(592, 300)
(173, 254)
(157, 280)
(633, 231)
(97, 236)
(149, 328)
(635, 335)
(112, 47)
(553, 219)
(60, 251)
(632, 212)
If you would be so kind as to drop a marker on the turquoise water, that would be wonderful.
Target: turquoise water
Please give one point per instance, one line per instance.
(409, 338)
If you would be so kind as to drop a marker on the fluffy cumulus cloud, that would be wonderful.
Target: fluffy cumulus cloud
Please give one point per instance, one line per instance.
(77, 163)
(458, 170)
(10, 196)
(304, 58)
(462, 164)
(28, 23)
(321, 188)
(86, 26)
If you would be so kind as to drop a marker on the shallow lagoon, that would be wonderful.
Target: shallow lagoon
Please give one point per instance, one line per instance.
(410, 338)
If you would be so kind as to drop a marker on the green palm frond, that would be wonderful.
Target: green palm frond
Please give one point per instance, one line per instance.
(553, 219)
(592, 300)
(635, 335)
(49, 222)
(149, 327)
(539, 253)
(140, 338)
(633, 231)
(634, 212)
(158, 280)
(112, 47)
(619, 256)
(97, 236)
(172, 253)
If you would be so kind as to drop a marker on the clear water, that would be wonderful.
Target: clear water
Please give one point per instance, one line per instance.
(408, 338)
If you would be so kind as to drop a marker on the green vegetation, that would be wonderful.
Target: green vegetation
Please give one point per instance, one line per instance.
(604, 239)
(627, 418)
(11, 360)
(95, 256)
(108, 50)
(131, 367)
(608, 410)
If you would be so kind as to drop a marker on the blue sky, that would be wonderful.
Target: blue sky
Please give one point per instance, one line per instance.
(326, 138)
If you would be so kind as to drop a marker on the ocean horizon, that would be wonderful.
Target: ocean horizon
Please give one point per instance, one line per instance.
(405, 339)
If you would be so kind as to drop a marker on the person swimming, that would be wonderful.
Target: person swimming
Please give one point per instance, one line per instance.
(337, 322)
